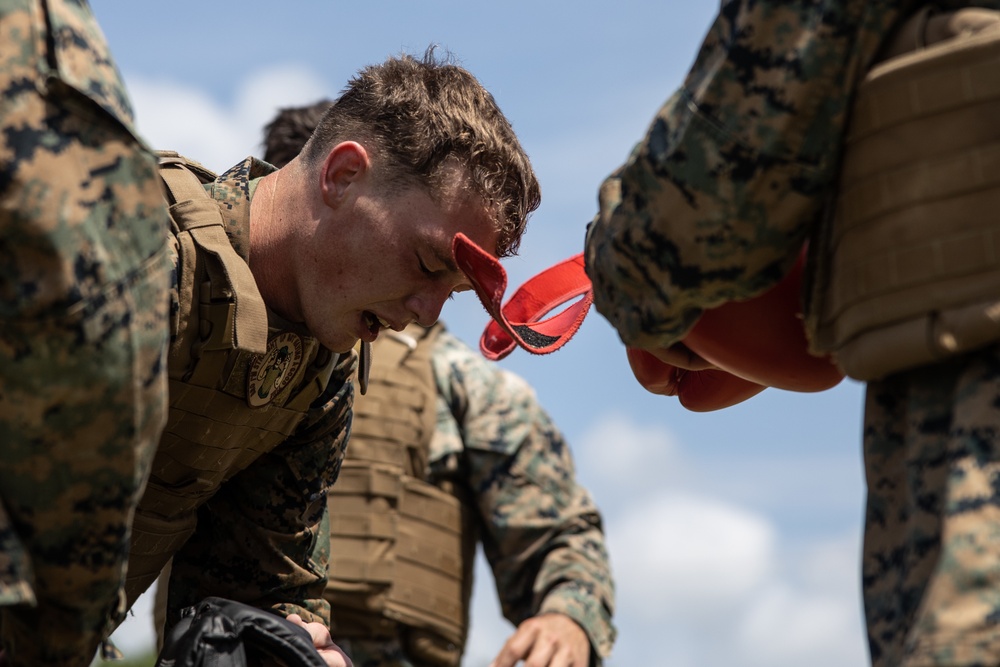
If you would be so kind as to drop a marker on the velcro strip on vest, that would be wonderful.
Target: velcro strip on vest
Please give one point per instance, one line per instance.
(377, 451)
(429, 504)
(364, 524)
(210, 431)
(379, 424)
(355, 563)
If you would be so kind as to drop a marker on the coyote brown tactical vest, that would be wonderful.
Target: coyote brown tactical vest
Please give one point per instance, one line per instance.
(398, 568)
(908, 269)
(237, 388)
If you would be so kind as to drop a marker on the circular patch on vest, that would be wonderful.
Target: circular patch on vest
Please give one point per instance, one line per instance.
(270, 372)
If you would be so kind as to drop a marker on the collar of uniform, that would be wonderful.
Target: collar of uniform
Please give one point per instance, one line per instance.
(232, 190)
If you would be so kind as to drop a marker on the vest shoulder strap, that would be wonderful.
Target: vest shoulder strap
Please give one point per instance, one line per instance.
(195, 212)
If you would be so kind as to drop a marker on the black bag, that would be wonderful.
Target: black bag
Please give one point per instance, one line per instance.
(222, 633)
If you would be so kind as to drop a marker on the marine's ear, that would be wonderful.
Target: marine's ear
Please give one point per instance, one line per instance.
(345, 164)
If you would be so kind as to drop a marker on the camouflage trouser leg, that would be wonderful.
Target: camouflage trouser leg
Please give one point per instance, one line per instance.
(83, 329)
(931, 573)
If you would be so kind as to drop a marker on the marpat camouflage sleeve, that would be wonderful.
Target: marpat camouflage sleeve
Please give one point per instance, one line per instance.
(717, 200)
(264, 538)
(83, 331)
(541, 531)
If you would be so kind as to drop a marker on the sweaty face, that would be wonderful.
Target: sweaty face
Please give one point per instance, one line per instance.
(384, 261)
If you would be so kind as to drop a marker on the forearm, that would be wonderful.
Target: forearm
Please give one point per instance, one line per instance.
(588, 607)
(716, 201)
(545, 563)
(264, 537)
(575, 579)
(243, 557)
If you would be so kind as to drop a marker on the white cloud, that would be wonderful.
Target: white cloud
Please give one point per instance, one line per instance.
(702, 583)
(811, 610)
(175, 116)
(704, 579)
(628, 456)
(788, 626)
(830, 564)
(680, 557)
(267, 90)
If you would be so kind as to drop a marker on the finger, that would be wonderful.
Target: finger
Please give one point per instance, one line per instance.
(332, 654)
(515, 648)
(654, 375)
(541, 653)
(681, 356)
(317, 631)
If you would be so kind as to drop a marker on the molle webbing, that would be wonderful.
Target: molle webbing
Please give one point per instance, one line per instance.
(909, 271)
(394, 425)
(396, 556)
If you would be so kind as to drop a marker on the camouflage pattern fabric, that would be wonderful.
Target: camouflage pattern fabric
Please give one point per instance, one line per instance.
(263, 537)
(714, 205)
(716, 201)
(931, 571)
(83, 297)
(541, 531)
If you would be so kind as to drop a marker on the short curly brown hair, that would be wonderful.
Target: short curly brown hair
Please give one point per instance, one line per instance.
(420, 114)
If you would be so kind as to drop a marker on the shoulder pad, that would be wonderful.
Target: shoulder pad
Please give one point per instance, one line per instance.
(204, 174)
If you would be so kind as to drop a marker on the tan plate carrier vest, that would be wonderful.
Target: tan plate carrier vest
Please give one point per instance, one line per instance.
(399, 567)
(908, 269)
(219, 334)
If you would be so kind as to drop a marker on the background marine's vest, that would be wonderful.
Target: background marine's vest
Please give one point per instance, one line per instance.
(907, 270)
(399, 567)
(237, 387)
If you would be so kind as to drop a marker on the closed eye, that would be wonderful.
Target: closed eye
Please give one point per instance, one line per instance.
(429, 272)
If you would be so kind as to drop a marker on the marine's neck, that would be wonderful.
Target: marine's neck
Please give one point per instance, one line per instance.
(269, 247)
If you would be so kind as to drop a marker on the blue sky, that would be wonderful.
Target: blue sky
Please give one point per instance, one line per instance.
(734, 535)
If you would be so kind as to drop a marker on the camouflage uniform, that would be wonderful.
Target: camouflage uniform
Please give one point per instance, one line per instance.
(83, 297)
(496, 449)
(715, 204)
(241, 505)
